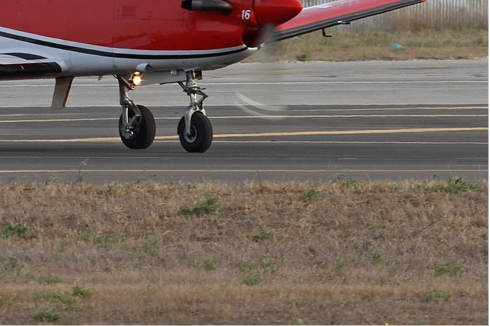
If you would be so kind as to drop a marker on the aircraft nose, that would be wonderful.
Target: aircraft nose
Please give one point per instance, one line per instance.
(276, 12)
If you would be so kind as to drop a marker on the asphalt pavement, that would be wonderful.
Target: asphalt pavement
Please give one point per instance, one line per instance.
(316, 121)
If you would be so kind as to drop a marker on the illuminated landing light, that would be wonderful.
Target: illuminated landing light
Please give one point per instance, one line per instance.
(136, 80)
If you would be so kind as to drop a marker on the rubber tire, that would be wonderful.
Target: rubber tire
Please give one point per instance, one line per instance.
(144, 131)
(201, 134)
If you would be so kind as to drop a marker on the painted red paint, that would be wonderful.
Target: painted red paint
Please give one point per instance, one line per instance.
(142, 24)
(341, 8)
(276, 12)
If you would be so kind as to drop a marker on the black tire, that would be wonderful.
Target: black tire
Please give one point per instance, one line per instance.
(201, 135)
(144, 129)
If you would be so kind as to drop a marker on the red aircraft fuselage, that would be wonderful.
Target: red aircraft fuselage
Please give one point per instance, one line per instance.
(96, 37)
(143, 24)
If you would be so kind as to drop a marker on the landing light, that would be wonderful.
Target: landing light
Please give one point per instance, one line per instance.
(136, 80)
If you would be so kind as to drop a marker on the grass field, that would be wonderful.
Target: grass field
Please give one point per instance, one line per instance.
(339, 252)
(378, 45)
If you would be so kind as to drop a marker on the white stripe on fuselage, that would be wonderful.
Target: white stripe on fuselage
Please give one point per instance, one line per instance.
(88, 59)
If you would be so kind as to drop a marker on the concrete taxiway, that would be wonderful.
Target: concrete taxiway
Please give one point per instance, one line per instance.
(320, 121)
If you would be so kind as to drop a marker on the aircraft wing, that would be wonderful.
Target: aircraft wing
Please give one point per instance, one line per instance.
(335, 13)
(20, 65)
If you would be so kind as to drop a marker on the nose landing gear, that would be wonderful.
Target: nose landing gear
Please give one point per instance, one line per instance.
(195, 130)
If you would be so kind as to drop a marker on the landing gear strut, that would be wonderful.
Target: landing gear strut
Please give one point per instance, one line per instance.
(194, 129)
(136, 124)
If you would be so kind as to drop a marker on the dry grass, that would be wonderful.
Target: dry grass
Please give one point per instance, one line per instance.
(342, 252)
(377, 45)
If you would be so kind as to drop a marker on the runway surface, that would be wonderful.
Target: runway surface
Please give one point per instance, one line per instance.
(360, 120)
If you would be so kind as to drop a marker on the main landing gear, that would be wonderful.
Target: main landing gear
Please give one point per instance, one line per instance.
(137, 124)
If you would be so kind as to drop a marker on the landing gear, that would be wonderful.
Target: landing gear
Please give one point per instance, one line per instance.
(194, 129)
(139, 133)
(136, 125)
(200, 136)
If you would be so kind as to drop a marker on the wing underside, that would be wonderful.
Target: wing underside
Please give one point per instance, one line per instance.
(26, 65)
(335, 13)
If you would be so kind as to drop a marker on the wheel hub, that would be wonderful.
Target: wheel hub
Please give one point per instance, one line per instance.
(191, 137)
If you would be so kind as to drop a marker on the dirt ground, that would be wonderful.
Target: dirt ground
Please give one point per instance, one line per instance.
(340, 252)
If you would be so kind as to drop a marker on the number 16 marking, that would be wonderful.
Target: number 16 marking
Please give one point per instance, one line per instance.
(246, 14)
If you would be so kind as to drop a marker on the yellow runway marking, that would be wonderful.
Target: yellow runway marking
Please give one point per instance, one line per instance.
(349, 116)
(263, 134)
(352, 132)
(367, 142)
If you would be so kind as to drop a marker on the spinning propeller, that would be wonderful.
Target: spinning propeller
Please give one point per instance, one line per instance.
(260, 18)
(268, 15)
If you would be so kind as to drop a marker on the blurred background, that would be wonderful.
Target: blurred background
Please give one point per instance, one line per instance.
(436, 29)
(434, 14)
